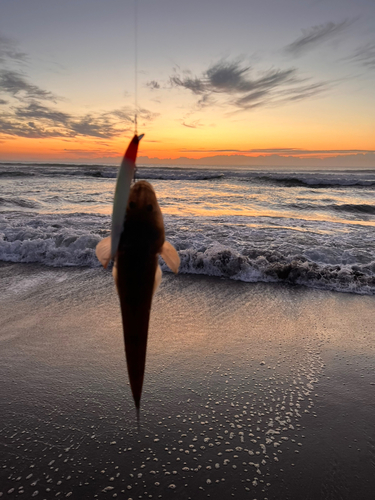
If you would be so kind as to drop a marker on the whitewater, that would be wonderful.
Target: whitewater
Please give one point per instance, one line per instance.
(311, 228)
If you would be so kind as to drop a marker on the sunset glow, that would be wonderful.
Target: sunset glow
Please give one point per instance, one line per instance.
(294, 82)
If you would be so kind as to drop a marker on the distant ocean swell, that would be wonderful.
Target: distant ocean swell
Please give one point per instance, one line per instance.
(71, 241)
(314, 181)
(345, 207)
(351, 208)
(358, 179)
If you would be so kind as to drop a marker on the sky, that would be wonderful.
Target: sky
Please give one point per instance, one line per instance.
(258, 81)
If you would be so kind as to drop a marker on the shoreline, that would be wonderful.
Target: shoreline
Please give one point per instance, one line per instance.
(232, 369)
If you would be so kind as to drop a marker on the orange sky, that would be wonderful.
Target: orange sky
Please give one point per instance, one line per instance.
(287, 81)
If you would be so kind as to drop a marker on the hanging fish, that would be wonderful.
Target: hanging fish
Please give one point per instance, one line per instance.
(136, 240)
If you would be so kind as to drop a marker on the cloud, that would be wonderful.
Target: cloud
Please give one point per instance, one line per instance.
(30, 111)
(124, 114)
(232, 78)
(153, 84)
(146, 115)
(304, 91)
(194, 124)
(316, 35)
(37, 111)
(30, 129)
(244, 90)
(8, 51)
(205, 101)
(253, 99)
(15, 84)
(36, 120)
(94, 127)
(365, 55)
(194, 84)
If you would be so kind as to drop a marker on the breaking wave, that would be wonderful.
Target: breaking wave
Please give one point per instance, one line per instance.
(299, 270)
(240, 224)
(70, 240)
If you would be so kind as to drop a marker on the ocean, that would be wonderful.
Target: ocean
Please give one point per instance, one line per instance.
(312, 228)
(252, 391)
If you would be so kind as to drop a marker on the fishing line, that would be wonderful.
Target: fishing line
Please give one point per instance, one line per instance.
(135, 66)
(135, 82)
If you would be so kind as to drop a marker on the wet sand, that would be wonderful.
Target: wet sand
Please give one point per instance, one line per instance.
(252, 391)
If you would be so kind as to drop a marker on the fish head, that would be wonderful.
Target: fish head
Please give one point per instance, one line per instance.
(143, 220)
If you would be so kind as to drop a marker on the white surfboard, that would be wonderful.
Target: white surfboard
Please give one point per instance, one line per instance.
(124, 179)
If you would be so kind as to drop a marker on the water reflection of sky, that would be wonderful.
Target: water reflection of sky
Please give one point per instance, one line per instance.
(213, 198)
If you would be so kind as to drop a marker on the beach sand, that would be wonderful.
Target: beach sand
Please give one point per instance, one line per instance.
(255, 391)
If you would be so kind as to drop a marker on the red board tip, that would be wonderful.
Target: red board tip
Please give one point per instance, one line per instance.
(131, 152)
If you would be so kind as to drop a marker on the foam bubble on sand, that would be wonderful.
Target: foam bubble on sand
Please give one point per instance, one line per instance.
(249, 423)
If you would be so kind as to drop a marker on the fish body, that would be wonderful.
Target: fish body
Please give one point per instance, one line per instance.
(136, 268)
(136, 240)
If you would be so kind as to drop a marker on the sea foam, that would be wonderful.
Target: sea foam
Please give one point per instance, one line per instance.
(240, 253)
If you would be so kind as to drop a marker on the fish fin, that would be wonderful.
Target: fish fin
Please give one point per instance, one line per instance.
(103, 251)
(157, 281)
(170, 256)
(115, 274)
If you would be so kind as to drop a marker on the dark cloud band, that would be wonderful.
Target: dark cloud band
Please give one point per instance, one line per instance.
(244, 90)
(15, 84)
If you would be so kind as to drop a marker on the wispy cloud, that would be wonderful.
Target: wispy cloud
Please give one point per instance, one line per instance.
(365, 55)
(30, 111)
(36, 120)
(304, 91)
(9, 50)
(243, 89)
(37, 111)
(31, 129)
(315, 35)
(153, 84)
(196, 85)
(146, 115)
(194, 124)
(101, 126)
(17, 85)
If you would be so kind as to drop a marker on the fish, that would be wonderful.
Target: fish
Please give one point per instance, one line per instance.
(137, 239)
